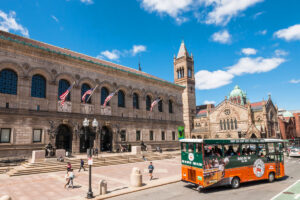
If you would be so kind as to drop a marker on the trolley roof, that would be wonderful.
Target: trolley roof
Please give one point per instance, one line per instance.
(231, 141)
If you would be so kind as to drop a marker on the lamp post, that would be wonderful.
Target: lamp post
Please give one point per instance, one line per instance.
(85, 124)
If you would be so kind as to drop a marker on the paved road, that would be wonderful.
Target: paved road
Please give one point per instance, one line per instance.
(261, 190)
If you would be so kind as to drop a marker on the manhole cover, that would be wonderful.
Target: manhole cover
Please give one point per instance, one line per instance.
(288, 193)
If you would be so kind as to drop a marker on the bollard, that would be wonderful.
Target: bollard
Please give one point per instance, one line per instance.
(6, 197)
(136, 177)
(102, 187)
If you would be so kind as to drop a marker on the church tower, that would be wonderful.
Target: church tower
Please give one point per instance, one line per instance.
(184, 75)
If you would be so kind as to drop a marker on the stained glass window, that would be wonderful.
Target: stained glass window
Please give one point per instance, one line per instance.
(121, 99)
(160, 106)
(85, 87)
(63, 85)
(38, 86)
(148, 102)
(8, 81)
(135, 99)
(170, 106)
(104, 94)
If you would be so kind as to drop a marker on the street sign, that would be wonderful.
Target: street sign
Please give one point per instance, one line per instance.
(90, 161)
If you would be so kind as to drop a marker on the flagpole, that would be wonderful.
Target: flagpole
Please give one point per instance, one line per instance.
(92, 93)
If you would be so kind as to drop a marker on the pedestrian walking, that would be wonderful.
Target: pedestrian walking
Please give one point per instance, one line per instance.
(69, 166)
(71, 177)
(151, 168)
(81, 165)
(67, 177)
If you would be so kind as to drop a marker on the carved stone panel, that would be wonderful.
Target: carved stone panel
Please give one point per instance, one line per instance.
(87, 109)
(106, 110)
(67, 107)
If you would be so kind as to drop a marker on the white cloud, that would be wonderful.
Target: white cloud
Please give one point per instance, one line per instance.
(111, 55)
(218, 12)
(254, 65)
(222, 37)
(280, 52)
(295, 81)
(289, 34)
(8, 22)
(209, 102)
(224, 10)
(138, 48)
(262, 32)
(116, 54)
(206, 80)
(257, 14)
(171, 7)
(249, 51)
(88, 2)
(55, 18)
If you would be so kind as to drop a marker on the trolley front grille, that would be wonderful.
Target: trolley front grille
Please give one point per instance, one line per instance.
(192, 175)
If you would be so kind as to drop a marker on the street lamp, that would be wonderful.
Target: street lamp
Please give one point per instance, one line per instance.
(85, 124)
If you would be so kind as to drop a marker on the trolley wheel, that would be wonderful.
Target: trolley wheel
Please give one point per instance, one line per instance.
(235, 183)
(271, 177)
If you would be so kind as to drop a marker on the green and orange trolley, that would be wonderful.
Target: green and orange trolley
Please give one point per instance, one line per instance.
(215, 162)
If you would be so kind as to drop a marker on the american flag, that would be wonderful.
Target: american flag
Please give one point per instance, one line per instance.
(64, 95)
(154, 103)
(88, 92)
(108, 98)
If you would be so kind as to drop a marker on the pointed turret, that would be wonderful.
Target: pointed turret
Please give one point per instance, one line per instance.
(182, 51)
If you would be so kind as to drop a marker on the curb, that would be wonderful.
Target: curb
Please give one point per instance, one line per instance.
(132, 190)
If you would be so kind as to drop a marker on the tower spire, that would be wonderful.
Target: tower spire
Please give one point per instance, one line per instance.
(182, 50)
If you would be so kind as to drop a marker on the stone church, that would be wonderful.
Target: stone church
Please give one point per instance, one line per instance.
(237, 117)
(34, 74)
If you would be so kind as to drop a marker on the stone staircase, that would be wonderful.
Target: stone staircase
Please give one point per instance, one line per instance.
(51, 165)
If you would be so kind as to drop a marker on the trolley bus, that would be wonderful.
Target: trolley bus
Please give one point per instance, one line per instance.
(215, 162)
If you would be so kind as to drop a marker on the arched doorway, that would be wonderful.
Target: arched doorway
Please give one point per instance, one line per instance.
(106, 139)
(253, 135)
(87, 138)
(64, 138)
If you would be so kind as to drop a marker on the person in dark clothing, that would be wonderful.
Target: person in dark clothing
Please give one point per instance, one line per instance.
(151, 168)
(69, 166)
(81, 165)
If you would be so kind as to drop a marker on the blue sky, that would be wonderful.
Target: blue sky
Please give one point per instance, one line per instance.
(252, 43)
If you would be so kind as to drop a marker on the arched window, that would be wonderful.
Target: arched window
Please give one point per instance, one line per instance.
(231, 122)
(148, 102)
(8, 82)
(104, 94)
(182, 73)
(228, 126)
(235, 123)
(221, 125)
(189, 73)
(160, 106)
(170, 106)
(85, 87)
(135, 100)
(38, 86)
(121, 99)
(178, 74)
(224, 123)
(63, 85)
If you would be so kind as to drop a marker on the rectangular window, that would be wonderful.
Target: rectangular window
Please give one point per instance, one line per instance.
(163, 137)
(262, 150)
(37, 135)
(198, 148)
(5, 135)
(232, 150)
(173, 135)
(248, 149)
(151, 135)
(123, 135)
(271, 148)
(138, 135)
(183, 147)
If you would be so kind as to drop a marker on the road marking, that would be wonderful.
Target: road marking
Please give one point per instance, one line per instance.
(298, 181)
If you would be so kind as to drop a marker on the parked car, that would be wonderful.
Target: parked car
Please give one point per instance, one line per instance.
(294, 152)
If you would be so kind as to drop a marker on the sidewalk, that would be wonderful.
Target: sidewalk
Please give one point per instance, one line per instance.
(50, 186)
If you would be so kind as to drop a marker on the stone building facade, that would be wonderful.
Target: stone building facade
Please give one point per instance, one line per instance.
(34, 74)
(236, 117)
(289, 124)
